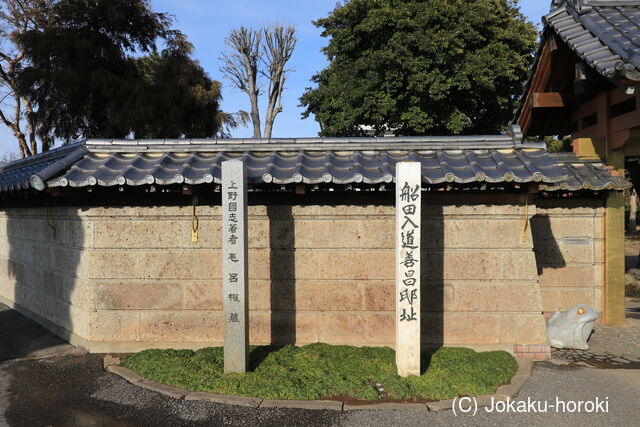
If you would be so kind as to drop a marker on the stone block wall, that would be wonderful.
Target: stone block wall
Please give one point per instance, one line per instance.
(128, 278)
(570, 252)
(40, 253)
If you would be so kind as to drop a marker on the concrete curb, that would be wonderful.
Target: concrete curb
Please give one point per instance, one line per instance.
(504, 392)
(110, 360)
(387, 406)
(332, 405)
(125, 373)
(167, 390)
(227, 399)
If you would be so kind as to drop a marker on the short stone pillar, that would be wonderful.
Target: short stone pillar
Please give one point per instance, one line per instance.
(235, 266)
(408, 257)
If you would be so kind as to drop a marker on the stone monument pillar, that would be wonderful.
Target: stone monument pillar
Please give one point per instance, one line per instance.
(235, 266)
(408, 263)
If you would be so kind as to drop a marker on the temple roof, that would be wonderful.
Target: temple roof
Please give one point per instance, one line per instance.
(602, 34)
(605, 34)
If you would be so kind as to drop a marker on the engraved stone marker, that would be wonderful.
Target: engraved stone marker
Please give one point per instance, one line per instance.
(408, 211)
(234, 266)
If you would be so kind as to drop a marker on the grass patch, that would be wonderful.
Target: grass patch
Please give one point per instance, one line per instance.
(320, 370)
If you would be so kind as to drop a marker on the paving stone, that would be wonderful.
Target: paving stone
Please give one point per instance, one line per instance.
(302, 404)
(252, 402)
(167, 390)
(110, 360)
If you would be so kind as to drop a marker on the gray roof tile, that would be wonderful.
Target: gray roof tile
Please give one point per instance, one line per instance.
(341, 167)
(604, 37)
(585, 174)
(457, 160)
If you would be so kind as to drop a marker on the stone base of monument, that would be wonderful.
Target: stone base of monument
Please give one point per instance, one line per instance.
(504, 392)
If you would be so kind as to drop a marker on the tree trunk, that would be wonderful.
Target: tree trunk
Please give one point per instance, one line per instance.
(275, 93)
(255, 115)
(268, 127)
(22, 142)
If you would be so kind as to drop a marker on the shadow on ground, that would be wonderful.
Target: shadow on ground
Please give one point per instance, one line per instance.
(70, 388)
(20, 336)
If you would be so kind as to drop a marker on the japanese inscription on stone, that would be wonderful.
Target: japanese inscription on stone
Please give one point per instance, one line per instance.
(235, 266)
(408, 212)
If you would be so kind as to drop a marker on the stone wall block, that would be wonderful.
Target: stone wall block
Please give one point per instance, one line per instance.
(558, 227)
(136, 233)
(321, 234)
(203, 295)
(571, 275)
(563, 298)
(357, 328)
(379, 233)
(209, 233)
(355, 211)
(570, 207)
(80, 293)
(329, 297)
(282, 264)
(259, 236)
(531, 329)
(138, 296)
(471, 264)
(463, 233)
(283, 327)
(599, 251)
(361, 265)
(182, 326)
(559, 252)
(277, 295)
(457, 331)
(181, 264)
(380, 296)
(114, 325)
(481, 297)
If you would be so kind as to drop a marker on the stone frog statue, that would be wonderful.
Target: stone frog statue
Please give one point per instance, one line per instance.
(571, 328)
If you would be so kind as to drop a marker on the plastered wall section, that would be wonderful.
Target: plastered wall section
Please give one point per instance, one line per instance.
(128, 278)
(570, 251)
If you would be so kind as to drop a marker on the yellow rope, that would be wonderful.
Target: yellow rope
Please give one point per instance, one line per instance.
(194, 224)
(524, 236)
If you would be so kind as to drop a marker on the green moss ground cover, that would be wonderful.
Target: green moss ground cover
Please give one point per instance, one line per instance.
(320, 370)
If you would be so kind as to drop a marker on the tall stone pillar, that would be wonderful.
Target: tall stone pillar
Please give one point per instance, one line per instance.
(235, 266)
(408, 263)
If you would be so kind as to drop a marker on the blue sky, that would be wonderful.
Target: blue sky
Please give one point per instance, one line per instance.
(206, 23)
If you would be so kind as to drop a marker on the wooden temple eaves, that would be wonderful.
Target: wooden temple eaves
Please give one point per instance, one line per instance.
(565, 97)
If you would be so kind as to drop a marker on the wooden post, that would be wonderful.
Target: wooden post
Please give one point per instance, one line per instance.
(633, 212)
(614, 259)
(408, 258)
(235, 266)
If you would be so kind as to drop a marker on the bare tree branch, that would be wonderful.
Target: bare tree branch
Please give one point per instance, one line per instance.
(279, 43)
(265, 53)
(240, 66)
